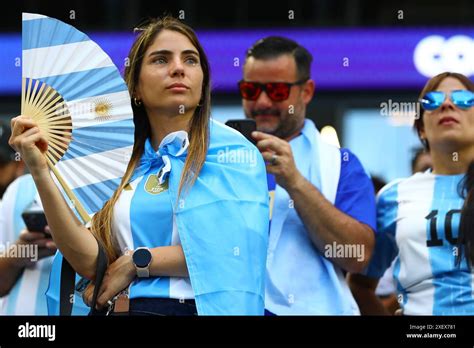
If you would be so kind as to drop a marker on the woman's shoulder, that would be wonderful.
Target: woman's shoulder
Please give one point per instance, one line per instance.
(413, 182)
(222, 135)
(228, 146)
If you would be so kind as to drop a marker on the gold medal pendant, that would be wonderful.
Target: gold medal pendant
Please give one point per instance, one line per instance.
(153, 186)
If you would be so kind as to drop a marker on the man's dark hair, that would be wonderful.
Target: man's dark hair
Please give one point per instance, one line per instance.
(275, 46)
(7, 154)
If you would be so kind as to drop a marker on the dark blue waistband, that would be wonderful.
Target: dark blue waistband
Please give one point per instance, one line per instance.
(162, 306)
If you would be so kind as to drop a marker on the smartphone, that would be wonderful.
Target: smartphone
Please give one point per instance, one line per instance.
(244, 126)
(35, 221)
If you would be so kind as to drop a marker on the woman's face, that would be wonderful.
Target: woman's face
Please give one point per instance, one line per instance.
(449, 125)
(171, 75)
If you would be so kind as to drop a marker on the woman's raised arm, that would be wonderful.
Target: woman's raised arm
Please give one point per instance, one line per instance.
(74, 241)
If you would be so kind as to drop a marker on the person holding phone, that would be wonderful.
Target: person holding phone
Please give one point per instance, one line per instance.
(322, 198)
(23, 277)
(186, 232)
(426, 222)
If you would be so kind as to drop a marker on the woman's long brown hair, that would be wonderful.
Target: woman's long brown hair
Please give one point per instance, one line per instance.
(198, 133)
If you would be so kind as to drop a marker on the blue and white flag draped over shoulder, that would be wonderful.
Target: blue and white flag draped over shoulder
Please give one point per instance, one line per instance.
(222, 222)
(223, 225)
(76, 95)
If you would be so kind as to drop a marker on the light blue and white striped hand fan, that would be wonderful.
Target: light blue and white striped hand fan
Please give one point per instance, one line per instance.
(72, 89)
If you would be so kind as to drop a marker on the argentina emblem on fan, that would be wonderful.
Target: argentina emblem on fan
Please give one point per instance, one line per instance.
(76, 95)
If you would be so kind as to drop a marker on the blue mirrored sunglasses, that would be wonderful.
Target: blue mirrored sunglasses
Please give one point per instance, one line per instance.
(463, 99)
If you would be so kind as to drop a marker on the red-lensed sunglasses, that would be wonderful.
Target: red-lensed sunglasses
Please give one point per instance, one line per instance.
(276, 91)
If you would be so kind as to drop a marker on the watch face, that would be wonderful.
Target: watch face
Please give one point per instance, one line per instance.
(141, 257)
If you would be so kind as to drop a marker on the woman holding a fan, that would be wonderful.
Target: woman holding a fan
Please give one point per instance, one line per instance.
(186, 231)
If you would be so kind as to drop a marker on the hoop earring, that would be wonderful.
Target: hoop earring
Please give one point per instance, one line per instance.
(137, 102)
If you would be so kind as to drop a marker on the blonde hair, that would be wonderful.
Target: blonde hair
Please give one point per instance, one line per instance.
(198, 133)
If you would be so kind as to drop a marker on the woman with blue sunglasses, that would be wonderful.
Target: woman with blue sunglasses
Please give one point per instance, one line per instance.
(425, 223)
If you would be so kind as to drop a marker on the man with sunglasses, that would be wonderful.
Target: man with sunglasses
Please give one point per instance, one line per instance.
(323, 206)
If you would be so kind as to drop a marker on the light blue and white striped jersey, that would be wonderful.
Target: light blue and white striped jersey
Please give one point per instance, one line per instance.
(418, 224)
(27, 297)
(143, 217)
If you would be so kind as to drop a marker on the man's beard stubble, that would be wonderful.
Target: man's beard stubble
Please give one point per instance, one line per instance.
(287, 126)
